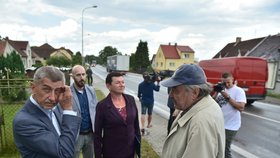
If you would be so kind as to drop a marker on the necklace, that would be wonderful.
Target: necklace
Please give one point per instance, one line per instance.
(120, 109)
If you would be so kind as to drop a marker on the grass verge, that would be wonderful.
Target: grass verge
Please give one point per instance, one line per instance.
(274, 95)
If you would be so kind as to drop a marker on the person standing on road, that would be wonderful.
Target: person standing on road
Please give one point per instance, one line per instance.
(89, 76)
(84, 102)
(198, 131)
(47, 126)
(117, 132)
(232, 100)
(146, 96)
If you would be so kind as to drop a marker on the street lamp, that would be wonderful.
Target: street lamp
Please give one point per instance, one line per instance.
(83, 59)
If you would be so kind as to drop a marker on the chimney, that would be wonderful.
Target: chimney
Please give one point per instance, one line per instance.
(238, 39)
(169, 43)
(175, 44)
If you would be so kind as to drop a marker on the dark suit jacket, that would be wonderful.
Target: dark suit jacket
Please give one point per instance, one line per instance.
(36, 137)
(118, 139)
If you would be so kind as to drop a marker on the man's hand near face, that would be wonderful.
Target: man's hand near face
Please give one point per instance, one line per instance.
(65, 98)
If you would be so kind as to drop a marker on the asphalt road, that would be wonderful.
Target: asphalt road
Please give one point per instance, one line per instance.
(259, 135)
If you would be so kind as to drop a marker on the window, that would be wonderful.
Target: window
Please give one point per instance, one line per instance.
(185, 56)
(161, 64)
(171, 64)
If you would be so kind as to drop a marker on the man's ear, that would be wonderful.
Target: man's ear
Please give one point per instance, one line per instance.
(196, 92)
(32, 86)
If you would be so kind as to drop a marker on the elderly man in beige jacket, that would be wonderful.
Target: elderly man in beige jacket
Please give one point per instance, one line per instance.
(198, 132)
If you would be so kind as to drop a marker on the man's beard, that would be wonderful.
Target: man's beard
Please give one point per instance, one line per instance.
(80, 84)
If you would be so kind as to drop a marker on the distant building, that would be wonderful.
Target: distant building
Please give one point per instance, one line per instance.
(62, 52)
(21, 48)
(170, 57)
(238, 48)
(45, 51)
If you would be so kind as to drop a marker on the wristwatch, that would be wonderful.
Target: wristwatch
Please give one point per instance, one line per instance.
(227, 98)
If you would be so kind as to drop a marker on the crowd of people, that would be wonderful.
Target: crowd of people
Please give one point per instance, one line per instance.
(60, 121)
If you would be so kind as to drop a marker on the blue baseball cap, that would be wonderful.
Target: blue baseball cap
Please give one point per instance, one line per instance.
(186, 74)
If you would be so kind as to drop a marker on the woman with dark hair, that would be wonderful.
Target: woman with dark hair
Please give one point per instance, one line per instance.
(117, 132)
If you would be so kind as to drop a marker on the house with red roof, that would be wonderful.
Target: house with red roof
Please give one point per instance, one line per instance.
(170, 57)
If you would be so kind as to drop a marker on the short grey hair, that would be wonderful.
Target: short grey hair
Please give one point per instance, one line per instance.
(205, 89)
(50, 72)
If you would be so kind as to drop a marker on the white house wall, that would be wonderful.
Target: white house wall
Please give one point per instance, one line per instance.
(29, 61)
(272, 74)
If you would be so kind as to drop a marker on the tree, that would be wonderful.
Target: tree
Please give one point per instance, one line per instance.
(107, 51)
(12, 67)
(77, 59)
(132, 64)
(17, 67)
(12, 63)
(142, 57)
(90, 58)
(59, 61)
(37, 64)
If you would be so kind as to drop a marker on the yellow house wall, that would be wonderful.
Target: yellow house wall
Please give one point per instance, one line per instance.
(159, 61)
(61, 53)
(159, 58)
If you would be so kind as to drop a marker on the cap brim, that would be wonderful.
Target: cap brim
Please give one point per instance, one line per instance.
(170, 83)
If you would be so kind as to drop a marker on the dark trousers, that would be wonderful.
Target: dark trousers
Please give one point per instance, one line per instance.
(89, 79)
(170, 120)
(229, 137)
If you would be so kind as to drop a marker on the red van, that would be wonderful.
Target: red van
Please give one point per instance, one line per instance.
(250, 73)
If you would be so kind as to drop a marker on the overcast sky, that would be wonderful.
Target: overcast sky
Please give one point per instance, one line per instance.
(204, 25)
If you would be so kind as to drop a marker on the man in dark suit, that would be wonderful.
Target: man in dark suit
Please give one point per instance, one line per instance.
(117, 131)
(85, 104)
(46, 126)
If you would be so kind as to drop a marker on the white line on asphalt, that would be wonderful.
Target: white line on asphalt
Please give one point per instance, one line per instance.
(268, 104)
(268, 119)
(242, 152)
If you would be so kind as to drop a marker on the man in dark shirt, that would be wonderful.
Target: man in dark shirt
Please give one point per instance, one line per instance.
(84, 102)
(146, 96)
(89, 76)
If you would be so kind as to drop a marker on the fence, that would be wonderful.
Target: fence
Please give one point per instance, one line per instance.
(11, 91)
(7, 113)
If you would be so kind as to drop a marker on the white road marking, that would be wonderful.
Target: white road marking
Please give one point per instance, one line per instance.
(265, 118)
(242, 152)
(269, 104)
